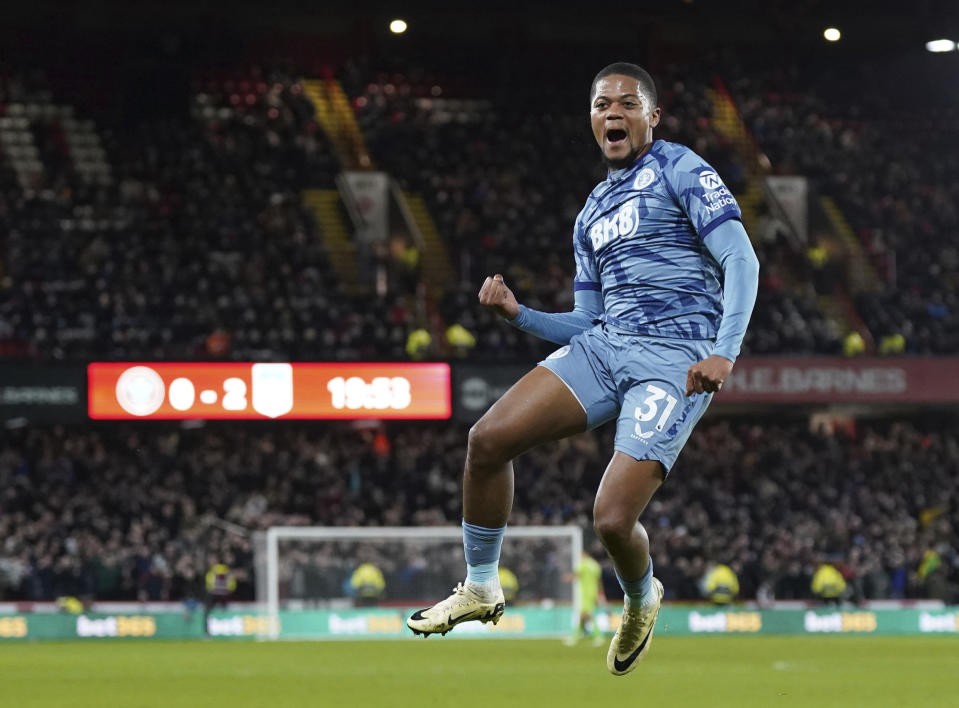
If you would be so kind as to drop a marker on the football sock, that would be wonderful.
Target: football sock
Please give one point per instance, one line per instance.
(482, 546)
(637, 591)
(592, 629)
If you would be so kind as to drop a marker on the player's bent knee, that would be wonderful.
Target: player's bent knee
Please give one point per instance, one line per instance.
(485, 445)
(614, 530)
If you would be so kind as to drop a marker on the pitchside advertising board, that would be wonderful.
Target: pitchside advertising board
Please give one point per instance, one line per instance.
(520, 621)
(477, 387)
(42, 394)
(836, 380)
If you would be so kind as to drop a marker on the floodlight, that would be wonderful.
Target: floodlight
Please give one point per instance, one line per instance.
(941, 45)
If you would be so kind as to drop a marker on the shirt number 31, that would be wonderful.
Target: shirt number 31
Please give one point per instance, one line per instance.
(650, 407)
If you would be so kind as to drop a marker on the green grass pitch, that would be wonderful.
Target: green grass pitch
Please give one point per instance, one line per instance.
(709, 671)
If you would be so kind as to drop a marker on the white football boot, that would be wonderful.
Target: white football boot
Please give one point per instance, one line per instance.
(462, 606)
(631, 641)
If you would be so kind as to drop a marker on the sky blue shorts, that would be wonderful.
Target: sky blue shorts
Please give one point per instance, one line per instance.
(639, 380)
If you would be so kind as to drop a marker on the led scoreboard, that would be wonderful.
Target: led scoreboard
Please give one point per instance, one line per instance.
(263, 391)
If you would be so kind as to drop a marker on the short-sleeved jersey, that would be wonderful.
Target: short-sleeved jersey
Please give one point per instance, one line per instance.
(639, 240)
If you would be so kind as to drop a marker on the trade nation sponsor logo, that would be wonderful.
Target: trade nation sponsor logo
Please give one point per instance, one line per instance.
(710, 180)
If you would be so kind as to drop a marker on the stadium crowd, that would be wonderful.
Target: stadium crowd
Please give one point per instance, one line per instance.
(187, 237)
(901, 203)
(140, 511)
(193, 244)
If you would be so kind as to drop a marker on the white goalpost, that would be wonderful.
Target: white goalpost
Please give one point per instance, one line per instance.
(308, 586)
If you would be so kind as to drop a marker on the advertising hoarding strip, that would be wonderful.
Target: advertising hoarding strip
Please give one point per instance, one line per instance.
(840, 380)
(37, 393)
(59, 393)
(527, 622)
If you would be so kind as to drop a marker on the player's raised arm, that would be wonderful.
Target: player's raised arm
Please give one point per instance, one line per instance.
(558, 327)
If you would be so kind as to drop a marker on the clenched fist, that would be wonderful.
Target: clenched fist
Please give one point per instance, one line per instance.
(707, 376)
(496, 295)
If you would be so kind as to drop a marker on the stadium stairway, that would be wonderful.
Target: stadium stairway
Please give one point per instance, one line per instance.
(338, 120)
(863, 276)
(729, 123)
(436, 269)
(335, 115)
(18, 145)
(86, 150)
(749, 202)
(324, 204)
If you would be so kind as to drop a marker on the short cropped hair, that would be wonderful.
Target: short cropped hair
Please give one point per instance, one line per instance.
(626, 69)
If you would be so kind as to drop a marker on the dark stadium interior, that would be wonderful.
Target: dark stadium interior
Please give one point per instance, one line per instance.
(152, 173)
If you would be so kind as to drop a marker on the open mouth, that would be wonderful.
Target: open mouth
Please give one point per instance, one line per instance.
(615, 136)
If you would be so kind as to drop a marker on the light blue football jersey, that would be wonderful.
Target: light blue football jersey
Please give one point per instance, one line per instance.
(639, 240)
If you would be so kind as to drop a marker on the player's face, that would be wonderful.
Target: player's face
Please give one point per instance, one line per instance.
(622, 119)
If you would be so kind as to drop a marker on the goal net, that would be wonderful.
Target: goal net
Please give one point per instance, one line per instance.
(352, 582)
